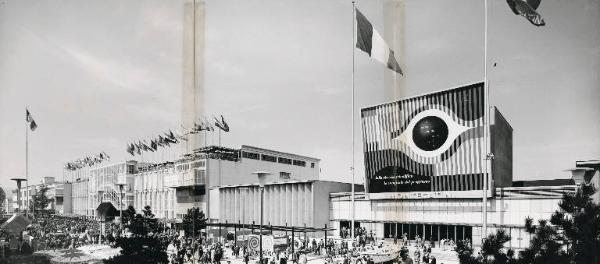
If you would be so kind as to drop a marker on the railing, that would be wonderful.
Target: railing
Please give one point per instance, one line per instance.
(186, 178)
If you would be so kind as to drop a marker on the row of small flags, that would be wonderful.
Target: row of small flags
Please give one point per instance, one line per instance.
(206, 125)
(88, 161)
(371, 42)
(166, 139)
(163, 140)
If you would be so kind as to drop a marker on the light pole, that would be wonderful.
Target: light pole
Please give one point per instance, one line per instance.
(18, 180)
(262, 177)
(121, 185)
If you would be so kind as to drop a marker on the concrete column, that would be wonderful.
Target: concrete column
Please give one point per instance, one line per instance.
(393, 33)
(295, 213)
(193, 69)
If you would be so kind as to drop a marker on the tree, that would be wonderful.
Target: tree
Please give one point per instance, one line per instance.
(492, 250)
(40, 201)
(193, 221)
(128, 214)
(148, 212)
(143, 246)
(2, 198)
(573, 237)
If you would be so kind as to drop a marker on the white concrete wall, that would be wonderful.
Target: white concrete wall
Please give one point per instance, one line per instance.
(455, 211)
(223, 172)
(509, 214)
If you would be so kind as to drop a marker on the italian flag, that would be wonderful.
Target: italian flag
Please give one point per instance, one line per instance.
(369, 41)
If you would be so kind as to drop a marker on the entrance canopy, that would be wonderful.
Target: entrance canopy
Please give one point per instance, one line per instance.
(106, 210)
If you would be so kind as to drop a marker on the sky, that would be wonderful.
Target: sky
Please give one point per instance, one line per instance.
(98, 74)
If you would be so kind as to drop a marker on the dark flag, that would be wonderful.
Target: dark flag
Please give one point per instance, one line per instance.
(29, 119)
(369, 41)
(153, 144)
(527, 9)
(131, 149)
(147, 147)
(171, 137)
(33, 125)
(222, 124)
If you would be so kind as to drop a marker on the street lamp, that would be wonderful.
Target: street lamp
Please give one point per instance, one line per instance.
(579, 175)
(121, 185)
(262, 178)
(18, 180)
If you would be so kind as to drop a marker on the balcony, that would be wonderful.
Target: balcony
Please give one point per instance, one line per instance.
(59, 192)
(187, 178)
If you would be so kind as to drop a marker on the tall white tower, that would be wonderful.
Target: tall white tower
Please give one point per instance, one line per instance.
(393, 31)
(192, 97)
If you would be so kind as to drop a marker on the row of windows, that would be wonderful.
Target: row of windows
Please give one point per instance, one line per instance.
(284, 160)
(268, 158)
(250, 155)
(265, 157)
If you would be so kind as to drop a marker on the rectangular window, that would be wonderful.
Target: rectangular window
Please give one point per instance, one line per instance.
(250, 155)
(284, 175)
(300, 163)
(198, 164)
(130, 169)
(312, 164)
(199, 176)
(183, 167)
(284, 160)
(268, 158)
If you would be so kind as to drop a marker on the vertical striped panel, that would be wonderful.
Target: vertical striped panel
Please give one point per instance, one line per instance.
(455, 167)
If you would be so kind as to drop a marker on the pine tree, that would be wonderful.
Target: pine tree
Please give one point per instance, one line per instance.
(573, 237)
(143, 246)
(492, 250)
(193, 221)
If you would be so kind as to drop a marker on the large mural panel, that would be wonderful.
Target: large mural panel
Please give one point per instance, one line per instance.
(426, 143)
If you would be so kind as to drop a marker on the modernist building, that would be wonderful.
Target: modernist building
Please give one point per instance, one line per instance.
(300, 203)
(58, 192)
(171, 188)
(425, 166)
(94, 185)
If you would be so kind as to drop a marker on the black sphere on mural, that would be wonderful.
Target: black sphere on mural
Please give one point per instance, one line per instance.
(430, 133)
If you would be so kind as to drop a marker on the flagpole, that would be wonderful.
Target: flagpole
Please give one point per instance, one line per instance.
(27, 124)
(352, 115)
(486, 128)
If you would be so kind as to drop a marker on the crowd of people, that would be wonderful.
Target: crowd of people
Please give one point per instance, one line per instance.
(60, 232)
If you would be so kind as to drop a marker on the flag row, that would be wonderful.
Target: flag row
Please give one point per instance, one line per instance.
(162, 140)
(87, 161)
(169, 138)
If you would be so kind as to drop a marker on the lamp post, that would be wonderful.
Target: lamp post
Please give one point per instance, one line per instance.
(121, 185)
(262, 177)
(18, 180)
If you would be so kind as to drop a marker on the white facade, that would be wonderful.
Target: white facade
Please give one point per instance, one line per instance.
(291, 203)
(153, 188)
(508, 210)
(94, 185)
(58, 192)
(171, 188)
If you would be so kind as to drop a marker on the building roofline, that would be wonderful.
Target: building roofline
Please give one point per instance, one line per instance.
(243, 147)
(277, 183)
